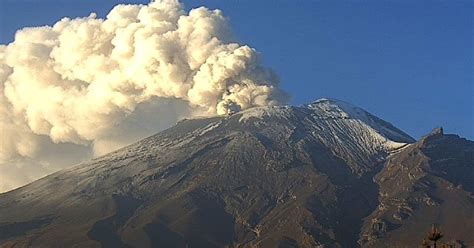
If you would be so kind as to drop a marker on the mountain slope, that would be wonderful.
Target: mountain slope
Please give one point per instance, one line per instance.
(267, 177)
(428, 182)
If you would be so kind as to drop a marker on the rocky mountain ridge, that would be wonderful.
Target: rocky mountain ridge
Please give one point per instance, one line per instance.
(323, 174)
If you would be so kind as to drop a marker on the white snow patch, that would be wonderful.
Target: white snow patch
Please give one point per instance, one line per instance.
(209, 128)
(331, 108)
(261, 112)
(335, 109)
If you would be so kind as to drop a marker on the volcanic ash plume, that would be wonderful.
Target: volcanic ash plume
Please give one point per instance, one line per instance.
(85, 86)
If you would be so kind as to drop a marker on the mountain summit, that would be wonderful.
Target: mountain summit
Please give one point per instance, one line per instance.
(327, 173)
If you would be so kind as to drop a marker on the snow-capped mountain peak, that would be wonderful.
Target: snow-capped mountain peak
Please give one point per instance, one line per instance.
(337, 109)
(253, 178)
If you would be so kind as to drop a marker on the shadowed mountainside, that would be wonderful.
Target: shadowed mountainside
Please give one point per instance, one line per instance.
(326, 173)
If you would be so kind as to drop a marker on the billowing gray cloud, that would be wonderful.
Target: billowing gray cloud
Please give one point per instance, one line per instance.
(88, 85)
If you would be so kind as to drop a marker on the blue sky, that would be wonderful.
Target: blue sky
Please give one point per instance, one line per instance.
(408, 62)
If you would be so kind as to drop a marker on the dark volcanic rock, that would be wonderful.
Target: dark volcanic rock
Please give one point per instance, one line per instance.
(264, 177)
(430, 181)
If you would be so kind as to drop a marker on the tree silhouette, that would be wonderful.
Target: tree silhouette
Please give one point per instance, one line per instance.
(434, 235)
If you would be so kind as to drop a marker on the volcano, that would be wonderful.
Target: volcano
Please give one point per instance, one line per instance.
(325, 174)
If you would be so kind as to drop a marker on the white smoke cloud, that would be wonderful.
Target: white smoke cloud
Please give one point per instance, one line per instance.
(86, 86)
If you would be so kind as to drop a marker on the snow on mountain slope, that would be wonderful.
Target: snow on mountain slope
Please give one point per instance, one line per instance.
(370, 131)
(348, 131)
(331, 108)
(248, 173)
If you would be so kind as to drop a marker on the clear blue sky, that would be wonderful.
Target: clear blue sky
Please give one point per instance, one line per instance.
(408, 62)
